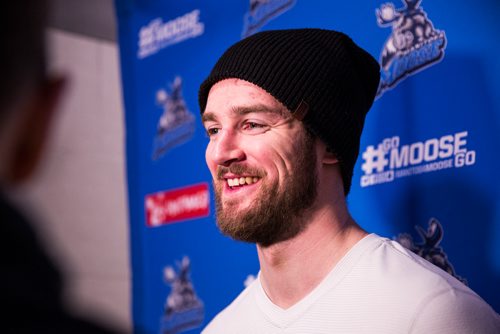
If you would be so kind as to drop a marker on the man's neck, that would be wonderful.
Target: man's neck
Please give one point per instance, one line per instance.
(293, 268)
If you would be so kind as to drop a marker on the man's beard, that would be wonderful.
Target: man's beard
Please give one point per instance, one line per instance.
(278, 213)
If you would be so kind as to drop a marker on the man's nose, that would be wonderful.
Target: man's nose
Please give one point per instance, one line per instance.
(227, 149)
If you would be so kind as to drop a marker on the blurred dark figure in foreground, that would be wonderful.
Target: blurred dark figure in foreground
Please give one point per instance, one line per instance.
(30, 284)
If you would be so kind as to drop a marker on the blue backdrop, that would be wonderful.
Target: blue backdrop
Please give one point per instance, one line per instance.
(427, 153)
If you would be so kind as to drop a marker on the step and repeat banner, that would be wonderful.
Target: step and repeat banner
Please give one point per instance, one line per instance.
(428, 170)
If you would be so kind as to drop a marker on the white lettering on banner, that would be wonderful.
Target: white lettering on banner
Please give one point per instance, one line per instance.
(187, 203)
(416, 158)
(177, 205)
(158, 35)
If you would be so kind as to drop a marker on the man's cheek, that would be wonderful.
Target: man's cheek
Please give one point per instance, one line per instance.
(213, 171)
(211, 166)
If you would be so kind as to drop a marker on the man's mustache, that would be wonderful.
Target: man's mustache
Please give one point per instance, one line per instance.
(239, 169)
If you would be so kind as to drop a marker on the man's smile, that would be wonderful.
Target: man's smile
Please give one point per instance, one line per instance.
(241, 181)
(238, 177)
(240, 185)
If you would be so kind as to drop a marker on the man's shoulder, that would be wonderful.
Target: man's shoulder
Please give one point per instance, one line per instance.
(402, 270)
(382, 286)
(455, 309)
(415, 288)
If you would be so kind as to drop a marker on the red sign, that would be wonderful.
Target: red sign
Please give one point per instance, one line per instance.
(176, 205)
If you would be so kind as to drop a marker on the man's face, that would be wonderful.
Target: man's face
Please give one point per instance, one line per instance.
(262, 161)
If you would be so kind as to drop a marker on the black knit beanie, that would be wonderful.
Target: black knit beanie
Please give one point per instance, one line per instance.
(321, 76)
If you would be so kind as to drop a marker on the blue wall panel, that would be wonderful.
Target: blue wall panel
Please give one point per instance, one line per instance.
(439, 125)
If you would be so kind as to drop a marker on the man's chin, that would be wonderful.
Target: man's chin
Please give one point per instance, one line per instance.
(230, 217)
(237, 208)
(230, 226)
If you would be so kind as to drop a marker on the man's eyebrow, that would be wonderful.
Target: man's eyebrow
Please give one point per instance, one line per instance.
(260, 108)
(241, 111)
(208, 117)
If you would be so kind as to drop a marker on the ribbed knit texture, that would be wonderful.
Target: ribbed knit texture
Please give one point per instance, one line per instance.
(326, 69)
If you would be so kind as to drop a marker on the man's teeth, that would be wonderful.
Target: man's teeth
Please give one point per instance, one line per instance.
(240, 181)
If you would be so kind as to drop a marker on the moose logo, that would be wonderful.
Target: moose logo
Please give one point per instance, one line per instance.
(261, 11)
(183, 309)
(177, 124)
(413, 45)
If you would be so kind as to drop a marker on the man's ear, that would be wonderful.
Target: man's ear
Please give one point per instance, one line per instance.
(329, 157)
(34, 129)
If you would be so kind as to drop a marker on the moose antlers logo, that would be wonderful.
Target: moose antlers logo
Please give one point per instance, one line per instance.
(413, 45)
(183, 309)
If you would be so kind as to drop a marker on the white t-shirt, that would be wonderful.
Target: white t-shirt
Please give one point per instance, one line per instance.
(377, 287)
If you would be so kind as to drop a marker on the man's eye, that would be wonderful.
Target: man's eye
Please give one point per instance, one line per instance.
(212, 131)
(252, 125)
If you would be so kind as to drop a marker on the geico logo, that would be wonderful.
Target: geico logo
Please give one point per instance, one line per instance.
(369, 180)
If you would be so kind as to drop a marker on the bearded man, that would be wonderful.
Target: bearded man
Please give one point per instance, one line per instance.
(284, 111)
